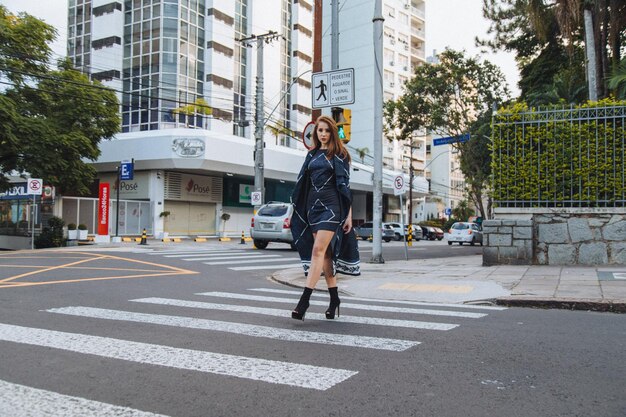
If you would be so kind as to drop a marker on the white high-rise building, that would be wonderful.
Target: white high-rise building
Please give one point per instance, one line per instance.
(172, 60)
(403, 50)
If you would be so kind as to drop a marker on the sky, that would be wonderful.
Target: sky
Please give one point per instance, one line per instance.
(449, 23)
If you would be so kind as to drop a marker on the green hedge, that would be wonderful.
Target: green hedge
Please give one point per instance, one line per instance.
(557, 157)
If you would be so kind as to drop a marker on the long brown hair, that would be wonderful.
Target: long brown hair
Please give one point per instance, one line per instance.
(335, 145)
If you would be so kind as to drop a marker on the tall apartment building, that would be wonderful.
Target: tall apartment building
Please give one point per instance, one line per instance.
(167, 59)
(403, 50)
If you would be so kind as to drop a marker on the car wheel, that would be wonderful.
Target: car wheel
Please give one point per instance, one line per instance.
(460, 243)
(449, 243)
(481, 243)
(260, 244)
(293, 247)
(439, 238)
(397, 237)
(387, 239)
(473, 242)
(364, 237)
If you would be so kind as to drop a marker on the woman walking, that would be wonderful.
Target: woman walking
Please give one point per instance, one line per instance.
(322, 221)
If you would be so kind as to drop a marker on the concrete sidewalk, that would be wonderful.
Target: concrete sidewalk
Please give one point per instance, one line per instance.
(463, 279)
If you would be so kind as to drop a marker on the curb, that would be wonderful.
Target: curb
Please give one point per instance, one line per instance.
(564, 304)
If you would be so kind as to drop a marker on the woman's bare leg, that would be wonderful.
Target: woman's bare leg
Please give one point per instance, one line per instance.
(331, 280)
(322, 240)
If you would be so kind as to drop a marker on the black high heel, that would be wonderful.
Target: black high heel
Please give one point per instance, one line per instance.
(334, 303)
(303, 305)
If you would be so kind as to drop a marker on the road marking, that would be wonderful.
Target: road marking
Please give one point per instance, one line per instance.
(52, 268)
(251, 268)
(410, 324)
(20, 400)
(252, 261)
(455, 289)
(346, 305)
(221, 253)
(276, 372)
(239, 328)
(379, 300)
(233, 260)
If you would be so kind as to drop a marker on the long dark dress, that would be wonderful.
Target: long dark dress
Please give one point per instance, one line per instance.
(344, 246)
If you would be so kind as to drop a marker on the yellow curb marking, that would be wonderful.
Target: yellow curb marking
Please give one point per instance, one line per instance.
(169, 270)
(458, 289)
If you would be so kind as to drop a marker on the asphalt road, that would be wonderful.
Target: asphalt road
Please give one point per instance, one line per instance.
(194, 333)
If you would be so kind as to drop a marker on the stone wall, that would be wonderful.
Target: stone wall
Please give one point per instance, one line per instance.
(556, 237)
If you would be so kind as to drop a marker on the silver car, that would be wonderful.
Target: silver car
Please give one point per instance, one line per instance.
(400, 232)
(365, 230)
(272, 223)
(465, 232)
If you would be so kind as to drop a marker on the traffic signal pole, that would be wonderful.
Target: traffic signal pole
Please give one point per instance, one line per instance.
(377, 247)
(317, 47)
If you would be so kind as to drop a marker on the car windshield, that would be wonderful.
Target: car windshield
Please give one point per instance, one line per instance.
(273, 211)
(460, 226)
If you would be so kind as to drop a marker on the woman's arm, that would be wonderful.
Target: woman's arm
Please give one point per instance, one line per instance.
(347, 226)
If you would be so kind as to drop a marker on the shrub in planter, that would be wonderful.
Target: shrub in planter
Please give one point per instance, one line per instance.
(82, 232)
(52, 235)
(72, 234)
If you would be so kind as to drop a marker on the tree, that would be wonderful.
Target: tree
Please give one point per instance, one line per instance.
(363, 152)
(53, 119)
(446, 99)
(538, 28)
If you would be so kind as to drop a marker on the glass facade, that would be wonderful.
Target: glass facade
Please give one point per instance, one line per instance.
(79, 34)
(285, 69)
(240, 63)
(163, 67)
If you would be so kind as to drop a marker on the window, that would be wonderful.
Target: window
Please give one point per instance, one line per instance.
(404, 18)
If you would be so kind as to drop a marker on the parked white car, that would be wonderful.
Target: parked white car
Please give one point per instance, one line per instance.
(465, 232)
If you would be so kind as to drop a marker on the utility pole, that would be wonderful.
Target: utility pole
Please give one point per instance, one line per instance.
(334, 35)
(317, 46)
(411, 181)
(259, 144)
(377, 247)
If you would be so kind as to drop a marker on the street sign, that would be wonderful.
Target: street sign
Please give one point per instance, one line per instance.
(451, 139)
(398, 185)
(333, 88)
(34, 186)
(127, 170)
(448, 211)
(307, 135)
(255, 198)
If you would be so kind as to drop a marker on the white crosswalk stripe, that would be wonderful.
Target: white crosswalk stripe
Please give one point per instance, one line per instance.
(19, 400)
(276, 372)
(410, 324)
(257, 260)
(378, 300)
(244, 329)
(347, 305)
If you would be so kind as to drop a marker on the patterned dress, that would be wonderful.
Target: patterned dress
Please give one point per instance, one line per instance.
(323, 207)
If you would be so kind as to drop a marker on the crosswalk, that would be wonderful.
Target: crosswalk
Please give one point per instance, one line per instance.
(238, 259)
(411, 318)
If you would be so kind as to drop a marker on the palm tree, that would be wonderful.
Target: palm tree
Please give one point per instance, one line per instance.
(363, 152)
(279, 128)
(199, 107)
(617, 80)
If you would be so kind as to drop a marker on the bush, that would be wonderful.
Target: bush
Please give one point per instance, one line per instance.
(52, 235)
(71, 226)
(82, 227)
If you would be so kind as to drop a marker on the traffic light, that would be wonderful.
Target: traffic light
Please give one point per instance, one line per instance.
(343, 118)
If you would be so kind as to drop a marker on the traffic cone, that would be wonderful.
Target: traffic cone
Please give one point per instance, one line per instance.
(144, 238)
(243, 240)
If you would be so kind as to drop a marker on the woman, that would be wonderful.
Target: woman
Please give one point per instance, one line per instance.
(322, 221)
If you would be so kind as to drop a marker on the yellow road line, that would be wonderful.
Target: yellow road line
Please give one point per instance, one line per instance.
(48, 269)
(81, 267)
(70, 281)
(458, 289)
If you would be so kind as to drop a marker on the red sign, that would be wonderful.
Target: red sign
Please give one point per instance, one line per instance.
(103, 208)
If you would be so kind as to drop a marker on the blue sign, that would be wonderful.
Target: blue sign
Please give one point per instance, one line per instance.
(17, 192)
(448, 211)
(451, 139)
(126, 171)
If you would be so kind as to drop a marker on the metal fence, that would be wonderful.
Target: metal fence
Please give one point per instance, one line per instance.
(569, 157)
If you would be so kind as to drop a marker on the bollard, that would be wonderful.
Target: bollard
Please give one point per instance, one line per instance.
(243, 240)
(144, 238)
(371, 238)
(409, 238)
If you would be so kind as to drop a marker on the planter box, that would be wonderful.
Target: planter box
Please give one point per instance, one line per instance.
(82, 234)
(72, 234)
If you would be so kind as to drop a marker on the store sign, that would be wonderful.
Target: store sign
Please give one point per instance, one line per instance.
(188, 148)
(201, 188)
(137, 188)
(103, 208)
(244, 193)
(17, 192)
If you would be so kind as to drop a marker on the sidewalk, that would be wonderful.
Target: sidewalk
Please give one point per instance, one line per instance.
(463, 279)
